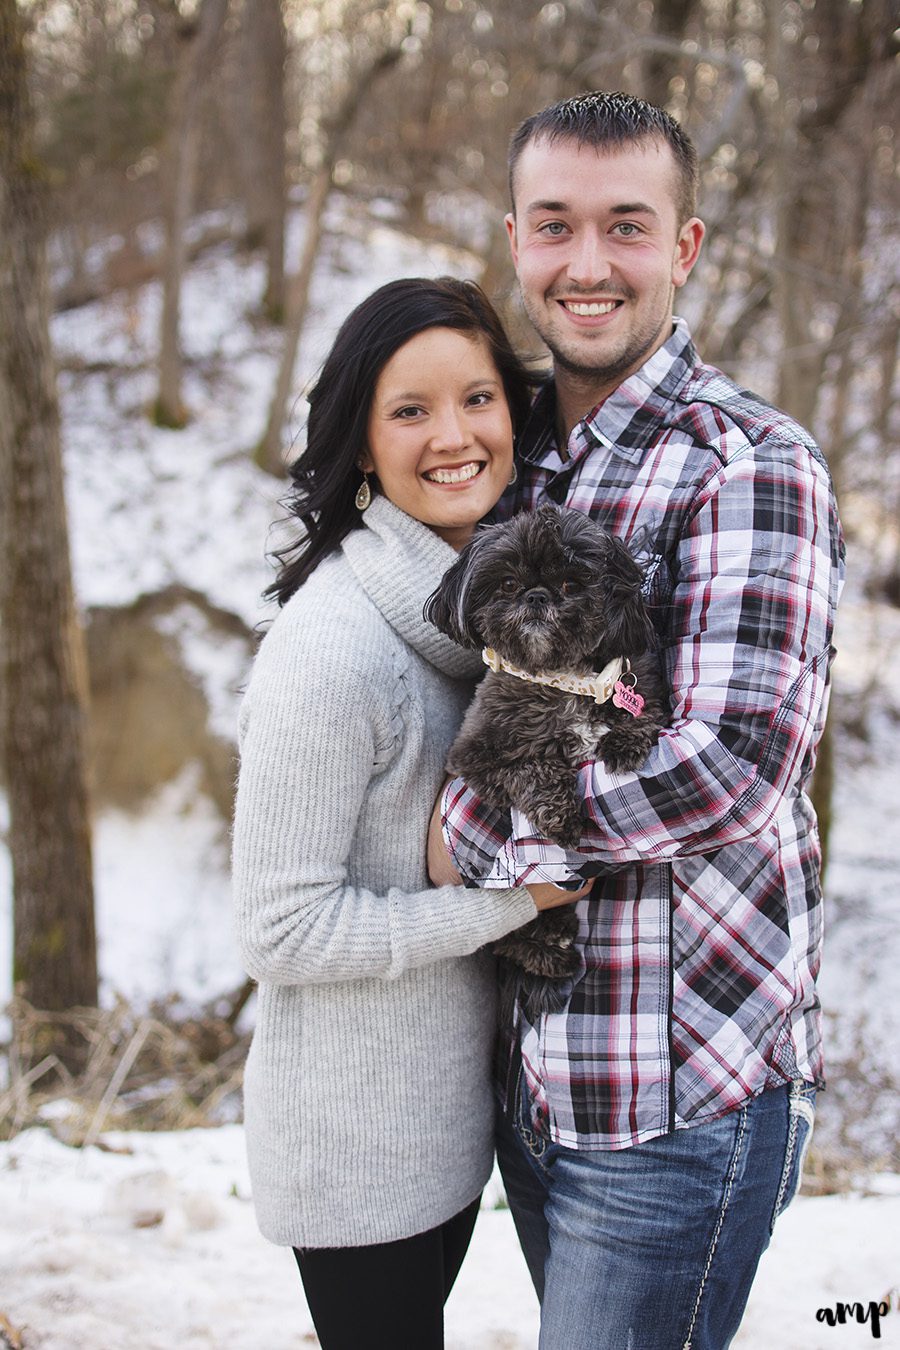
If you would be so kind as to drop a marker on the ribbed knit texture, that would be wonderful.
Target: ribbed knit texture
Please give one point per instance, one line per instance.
(368, 1106)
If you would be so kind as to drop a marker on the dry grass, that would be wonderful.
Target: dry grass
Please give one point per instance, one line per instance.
(159, 1068)
(168, 1068)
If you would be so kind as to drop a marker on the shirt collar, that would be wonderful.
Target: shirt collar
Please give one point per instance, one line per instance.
(627, 421)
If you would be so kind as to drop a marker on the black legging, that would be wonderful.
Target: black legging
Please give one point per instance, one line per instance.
(389, 1296)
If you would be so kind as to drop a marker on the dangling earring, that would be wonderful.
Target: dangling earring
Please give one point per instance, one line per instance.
(363, 496)
(513, 477)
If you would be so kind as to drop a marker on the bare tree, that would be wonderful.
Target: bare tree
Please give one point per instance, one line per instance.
(198, 39)
(43, 664)
(268, 453)
(259, 118)
(801, 196)
(827, 187)
(470, 74)
(671, 19)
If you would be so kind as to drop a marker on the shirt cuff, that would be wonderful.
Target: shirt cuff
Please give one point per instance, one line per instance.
(496, 850)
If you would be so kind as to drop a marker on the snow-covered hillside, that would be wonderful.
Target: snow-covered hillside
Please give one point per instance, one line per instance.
(151, 507)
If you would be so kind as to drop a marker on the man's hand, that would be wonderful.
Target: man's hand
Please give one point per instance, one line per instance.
(441, 871)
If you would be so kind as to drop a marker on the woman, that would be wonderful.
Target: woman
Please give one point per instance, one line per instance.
(367, 1101)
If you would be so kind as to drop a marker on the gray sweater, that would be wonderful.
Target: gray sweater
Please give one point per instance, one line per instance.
(367, 1097)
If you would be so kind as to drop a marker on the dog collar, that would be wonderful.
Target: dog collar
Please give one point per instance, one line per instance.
(599, 687)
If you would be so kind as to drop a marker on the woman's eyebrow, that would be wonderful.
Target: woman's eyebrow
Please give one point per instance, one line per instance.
(412, 394)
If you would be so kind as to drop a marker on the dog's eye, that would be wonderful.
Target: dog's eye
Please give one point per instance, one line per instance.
(508, 585)
(570, 586)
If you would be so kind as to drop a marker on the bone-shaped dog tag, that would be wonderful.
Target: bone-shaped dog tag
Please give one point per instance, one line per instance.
(624, 696)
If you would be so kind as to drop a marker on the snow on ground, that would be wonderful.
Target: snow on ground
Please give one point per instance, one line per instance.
(150, 507)
(861, 1109)
(163, 899)
(157, 1247)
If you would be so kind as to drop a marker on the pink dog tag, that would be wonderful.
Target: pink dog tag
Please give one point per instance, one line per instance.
(624, 696)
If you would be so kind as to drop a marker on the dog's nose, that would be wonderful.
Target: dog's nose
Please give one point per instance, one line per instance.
(537, 597)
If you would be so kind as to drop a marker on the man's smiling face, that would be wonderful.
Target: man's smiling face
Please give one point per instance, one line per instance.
(599, 252)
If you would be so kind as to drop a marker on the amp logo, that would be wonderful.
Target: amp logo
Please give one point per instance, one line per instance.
(872, 1312)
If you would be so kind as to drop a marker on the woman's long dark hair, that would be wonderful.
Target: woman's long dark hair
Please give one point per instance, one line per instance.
(326, 476)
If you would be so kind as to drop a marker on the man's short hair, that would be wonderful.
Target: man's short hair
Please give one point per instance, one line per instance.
(607, 121)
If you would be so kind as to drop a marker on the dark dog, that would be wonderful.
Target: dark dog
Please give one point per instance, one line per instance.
(555, 601)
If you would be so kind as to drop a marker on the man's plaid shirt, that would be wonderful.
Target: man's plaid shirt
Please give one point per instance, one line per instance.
(701, 940)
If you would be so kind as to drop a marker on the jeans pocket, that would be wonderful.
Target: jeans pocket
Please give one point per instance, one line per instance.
(801, 1119)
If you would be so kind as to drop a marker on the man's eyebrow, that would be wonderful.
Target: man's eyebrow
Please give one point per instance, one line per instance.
(634, 209)
(626, 208)
(546, 206)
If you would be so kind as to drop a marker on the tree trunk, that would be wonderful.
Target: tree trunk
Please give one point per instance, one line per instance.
(180, 159)
(268, 453)
(273, 48)
(671, 19)
(260, 126)
(43, 664)
(801, 359)
(819, 244)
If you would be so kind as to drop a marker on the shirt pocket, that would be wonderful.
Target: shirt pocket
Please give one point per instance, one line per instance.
(657, 588)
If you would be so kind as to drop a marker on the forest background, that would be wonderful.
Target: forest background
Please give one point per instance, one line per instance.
(140, 139)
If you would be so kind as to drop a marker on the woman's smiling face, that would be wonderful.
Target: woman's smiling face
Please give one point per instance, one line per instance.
(440, 433)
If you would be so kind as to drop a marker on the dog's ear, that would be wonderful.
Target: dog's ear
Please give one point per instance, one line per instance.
(446, 607)
(630, 629)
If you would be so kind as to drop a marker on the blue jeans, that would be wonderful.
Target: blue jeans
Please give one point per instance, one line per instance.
(654, 1247)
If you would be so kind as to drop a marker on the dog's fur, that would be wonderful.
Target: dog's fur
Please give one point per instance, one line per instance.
(550, 591)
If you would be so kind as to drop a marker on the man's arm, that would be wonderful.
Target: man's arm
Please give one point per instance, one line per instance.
(441, 871)
(756, 577)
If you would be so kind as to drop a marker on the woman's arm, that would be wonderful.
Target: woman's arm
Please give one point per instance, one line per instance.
(314, 727)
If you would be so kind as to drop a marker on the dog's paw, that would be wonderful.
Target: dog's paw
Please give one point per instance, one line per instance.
(560, 826)
(556, 964)
(625, 748)
(539, 996)
(569, 836)
(544, 947)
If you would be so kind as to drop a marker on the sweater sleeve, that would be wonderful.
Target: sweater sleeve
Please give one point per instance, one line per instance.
(314, 730)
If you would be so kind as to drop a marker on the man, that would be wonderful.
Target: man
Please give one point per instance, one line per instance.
(654, 1128)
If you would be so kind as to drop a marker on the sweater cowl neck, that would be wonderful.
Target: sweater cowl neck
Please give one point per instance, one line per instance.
(398, 561)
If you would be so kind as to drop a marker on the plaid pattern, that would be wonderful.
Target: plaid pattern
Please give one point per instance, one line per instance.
(701, 939)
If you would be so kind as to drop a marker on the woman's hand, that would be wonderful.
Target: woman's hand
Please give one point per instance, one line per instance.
(547, 896)
(441, 871)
